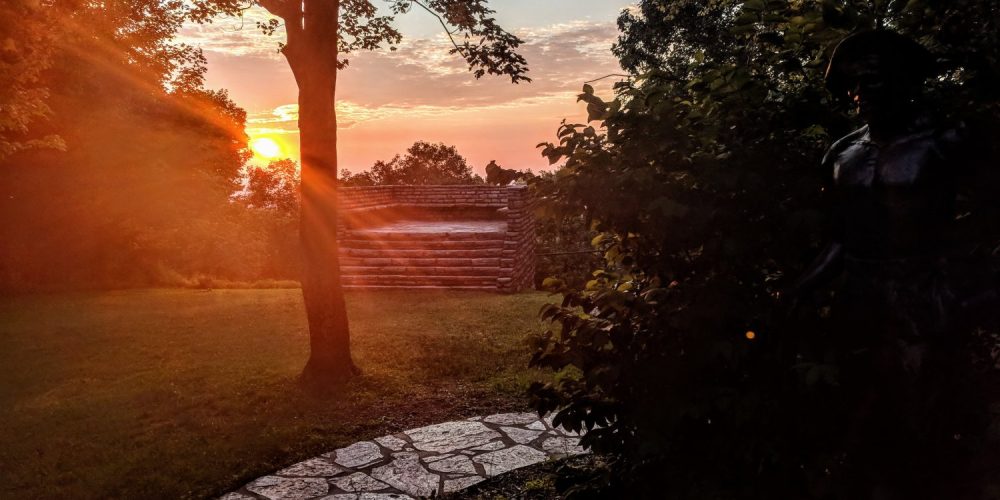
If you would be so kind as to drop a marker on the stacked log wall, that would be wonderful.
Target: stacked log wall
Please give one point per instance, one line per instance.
(517, 262)
(438, 260)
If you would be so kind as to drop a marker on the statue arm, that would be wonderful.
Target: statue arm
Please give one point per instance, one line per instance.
(826, 266)
(829, 263)
(970, 151)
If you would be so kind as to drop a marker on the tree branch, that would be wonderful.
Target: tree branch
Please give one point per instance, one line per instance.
(443, 25)
(607, 76)
(289, 10)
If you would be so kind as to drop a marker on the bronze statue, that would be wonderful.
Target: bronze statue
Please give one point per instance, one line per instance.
(893, 179)
(897, 310)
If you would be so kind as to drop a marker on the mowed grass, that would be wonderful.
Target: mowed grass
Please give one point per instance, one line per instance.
(188, 394)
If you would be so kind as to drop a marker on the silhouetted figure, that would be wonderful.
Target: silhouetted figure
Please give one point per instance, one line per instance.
(896, 316)
(495, 174)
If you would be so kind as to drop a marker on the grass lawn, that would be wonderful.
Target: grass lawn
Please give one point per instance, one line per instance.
(188, 394)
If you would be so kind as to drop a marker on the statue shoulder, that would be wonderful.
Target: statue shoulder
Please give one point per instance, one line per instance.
(967, 148)
(841, 144)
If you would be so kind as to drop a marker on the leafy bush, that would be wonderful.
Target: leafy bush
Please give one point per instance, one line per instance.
(563, 236)
(702, 177)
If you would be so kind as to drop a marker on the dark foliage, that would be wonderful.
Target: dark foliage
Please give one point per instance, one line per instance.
(703, 180)
(564, 233)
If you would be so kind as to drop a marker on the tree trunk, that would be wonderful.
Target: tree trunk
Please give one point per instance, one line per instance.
(312, 58)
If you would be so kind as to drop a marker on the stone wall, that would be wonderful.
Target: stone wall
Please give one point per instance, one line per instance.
(517, 263)
(367, 207)
(354, 198)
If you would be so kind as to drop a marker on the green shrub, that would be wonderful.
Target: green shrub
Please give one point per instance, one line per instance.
(702, 177)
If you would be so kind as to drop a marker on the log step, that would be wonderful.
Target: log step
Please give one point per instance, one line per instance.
(489, 288)
(492, 271)
(404, 280)
(424, 245)
(424, 236)
(393, 253)
(400, 259)
(431, 262)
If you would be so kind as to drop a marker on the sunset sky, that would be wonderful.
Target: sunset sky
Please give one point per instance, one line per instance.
(387, 100)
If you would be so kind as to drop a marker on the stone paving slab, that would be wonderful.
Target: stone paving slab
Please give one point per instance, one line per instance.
(431, 460)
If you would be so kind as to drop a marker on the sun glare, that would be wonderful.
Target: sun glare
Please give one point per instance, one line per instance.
(265, 148)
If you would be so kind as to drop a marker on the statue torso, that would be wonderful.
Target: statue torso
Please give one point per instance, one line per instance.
(895, 199)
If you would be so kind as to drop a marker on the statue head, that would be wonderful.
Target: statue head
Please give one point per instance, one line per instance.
(881, 72)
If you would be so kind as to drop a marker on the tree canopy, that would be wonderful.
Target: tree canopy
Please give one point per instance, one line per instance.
(25, 52)
(424, 163)
(475, 34)
(121, 201)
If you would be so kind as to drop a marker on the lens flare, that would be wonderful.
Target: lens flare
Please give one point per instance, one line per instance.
(265, 148)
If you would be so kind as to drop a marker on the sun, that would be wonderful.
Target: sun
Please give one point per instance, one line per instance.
(266, 148)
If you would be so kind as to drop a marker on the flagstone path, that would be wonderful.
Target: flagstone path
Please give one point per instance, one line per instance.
(436, 459)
